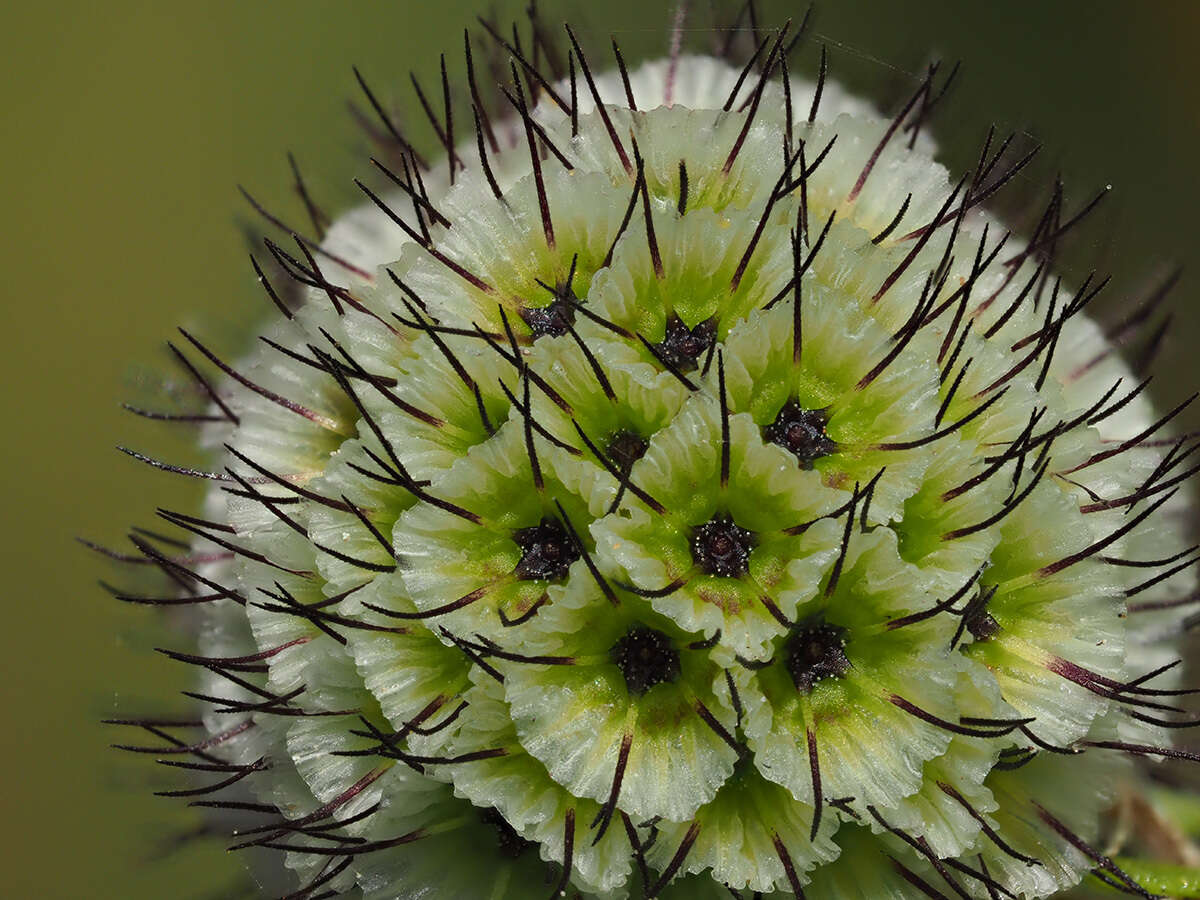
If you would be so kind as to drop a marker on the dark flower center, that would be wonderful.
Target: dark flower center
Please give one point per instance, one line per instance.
(547, 551)
(801, 432)
(681, 346)
(982, 626)
(510, 843)
(625, 448)
(646, 657)
(554, 319)
(816, 651)
(720, 547)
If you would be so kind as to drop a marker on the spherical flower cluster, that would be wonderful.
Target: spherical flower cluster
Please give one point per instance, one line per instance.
(684, 488)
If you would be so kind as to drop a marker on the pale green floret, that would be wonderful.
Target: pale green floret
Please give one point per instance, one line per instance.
(767, 495)
(575, 718)
(843, 715)
(593, 541)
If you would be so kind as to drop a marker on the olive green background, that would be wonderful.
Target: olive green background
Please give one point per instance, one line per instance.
(125, 127)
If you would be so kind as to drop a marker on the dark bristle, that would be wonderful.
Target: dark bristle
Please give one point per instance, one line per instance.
(937, 608)
(732, 31)
(531, 71)
(948, 429)
(950, 394)
(920, 245)
(889, 133)
(797, 301)
(1154, 345)
(535, 466)
(604, 816)
(283, 482)
(638, 182)
(420, 201)
(844, 548)
(412, 174)
(438, 128)
(1041, 467)
(483, 156)
(755, 100)
(317, 217)
(593, 363)
(806, 170)
(624, 75)
(930, 101)
(382, 387)
(581, 548)
(651, 238)
(448, 109)
(788, 114)
(681, 208)
(476, 100)
(543, 138)
(763, 219)
(207, 387)
(891, 226)
(916, 880)
(822, 72)
(741, 79)
(474, 280)
(1047, 242)
(921, 846)
(388, 121)
(1091, 853)
(790, 287)
(677, 860)
(789, 865)
(1136, 440)
(618, 472)
(982, 194)
(535, 162)
(814, 768)
(266, 283)
(167, 467)
(560, 889)
(574, 95)
(724, 406)
(604, 116)
(1123, 331)
(991, 730)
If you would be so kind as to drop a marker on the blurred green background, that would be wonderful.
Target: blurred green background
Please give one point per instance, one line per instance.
(127, 125)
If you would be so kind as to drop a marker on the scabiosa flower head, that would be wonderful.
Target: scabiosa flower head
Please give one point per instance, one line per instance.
(683, 487)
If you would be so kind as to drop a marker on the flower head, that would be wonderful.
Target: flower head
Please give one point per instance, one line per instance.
(684, 487)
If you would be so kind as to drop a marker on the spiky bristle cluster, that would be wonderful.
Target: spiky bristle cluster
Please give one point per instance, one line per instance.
(682, 489)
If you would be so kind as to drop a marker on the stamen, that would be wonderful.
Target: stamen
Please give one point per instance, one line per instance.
(646, 657)
(681, 346)
(801, 432)
(815, 651)
(547, 551)
(720, 547)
